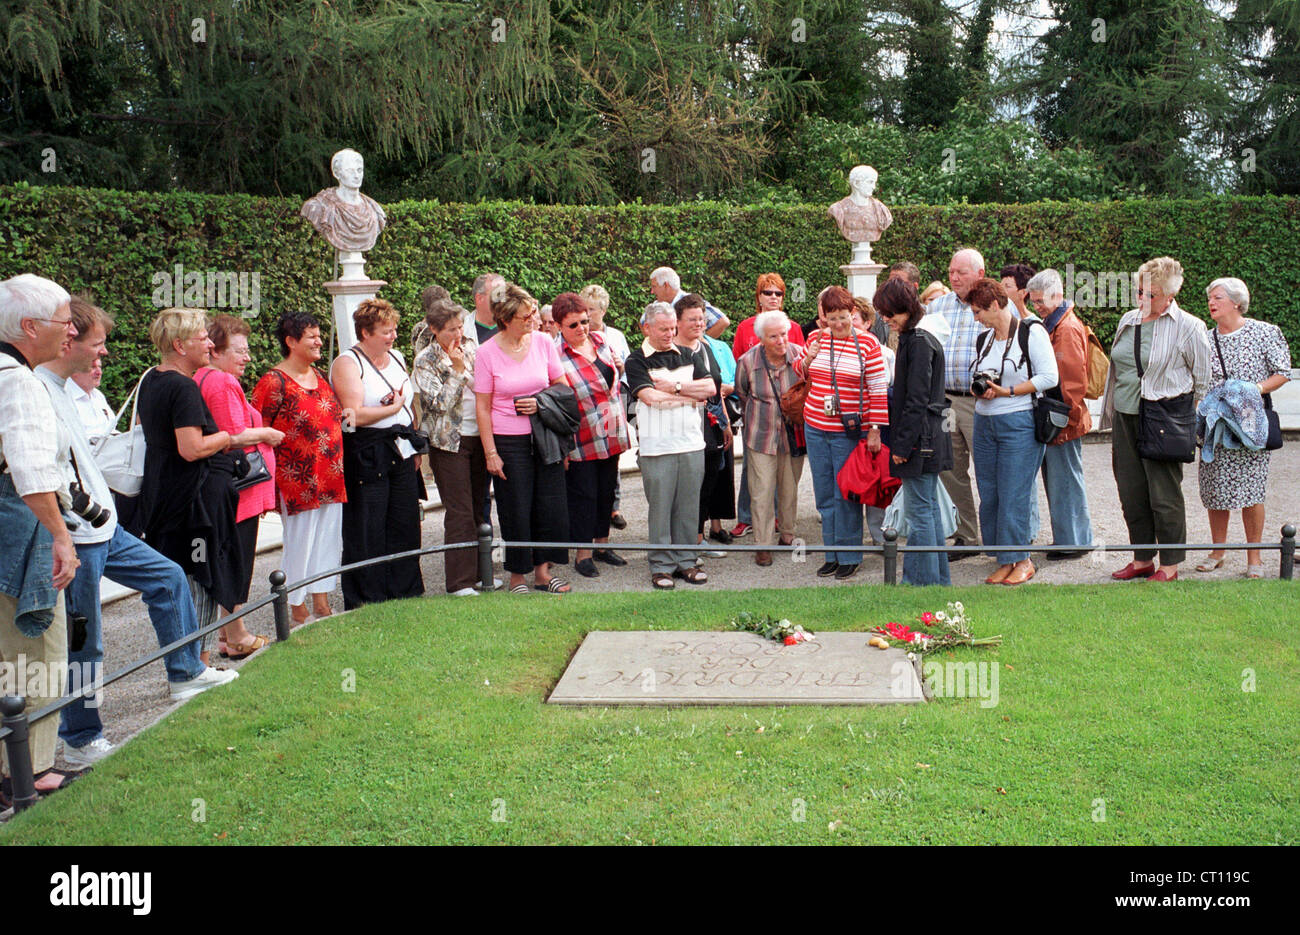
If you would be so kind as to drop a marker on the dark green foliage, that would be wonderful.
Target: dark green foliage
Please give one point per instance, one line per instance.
(112, 243)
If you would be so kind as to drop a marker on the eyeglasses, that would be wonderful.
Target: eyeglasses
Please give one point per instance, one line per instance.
(582, 323)
(775, 292)
(884, 314)
(61, 322)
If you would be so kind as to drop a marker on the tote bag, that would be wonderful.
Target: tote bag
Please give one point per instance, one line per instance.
(120, 455)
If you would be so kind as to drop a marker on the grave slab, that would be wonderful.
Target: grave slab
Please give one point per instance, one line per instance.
(690, 667)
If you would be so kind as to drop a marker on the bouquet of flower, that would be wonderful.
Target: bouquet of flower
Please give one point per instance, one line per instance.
(781, 630)
(938, 630)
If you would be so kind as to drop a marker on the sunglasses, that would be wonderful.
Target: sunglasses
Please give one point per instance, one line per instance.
(582, 323)
(776, 292)
(884, 314)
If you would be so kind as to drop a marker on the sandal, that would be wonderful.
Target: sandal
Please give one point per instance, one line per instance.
(692, 575)
(554, 586)
(241, 650)
(662, 582)
(520, 589)
(1254, 571)
(1211, 564)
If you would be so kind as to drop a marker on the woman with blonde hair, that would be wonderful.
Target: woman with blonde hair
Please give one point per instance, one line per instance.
(188, 502)
(1161, 355)
(381, 461)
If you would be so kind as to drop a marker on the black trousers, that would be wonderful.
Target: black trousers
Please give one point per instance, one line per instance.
(246, 530)
(591, 486)
(382, 517)
(462, 480)
(532, 504)
(719, 486)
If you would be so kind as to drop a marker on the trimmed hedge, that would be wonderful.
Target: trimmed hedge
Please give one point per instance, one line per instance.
(112, 243)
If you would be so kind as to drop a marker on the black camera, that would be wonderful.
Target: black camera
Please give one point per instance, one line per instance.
(77, 632)
(982, 381)
(86, 508)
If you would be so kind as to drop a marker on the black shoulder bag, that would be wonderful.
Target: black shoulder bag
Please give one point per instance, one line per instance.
(1166, 427)
(250, 466)
(1051, 411)
(1274, 441)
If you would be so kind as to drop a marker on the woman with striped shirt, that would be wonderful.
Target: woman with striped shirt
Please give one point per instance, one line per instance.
(847, 402)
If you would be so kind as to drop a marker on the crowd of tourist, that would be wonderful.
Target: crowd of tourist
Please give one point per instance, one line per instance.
(530, 407)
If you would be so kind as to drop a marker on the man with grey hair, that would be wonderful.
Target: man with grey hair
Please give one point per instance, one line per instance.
(484, 325)
(37, 557)
(666, 286)
(670, 386)
(1067, 496)
(965, 268)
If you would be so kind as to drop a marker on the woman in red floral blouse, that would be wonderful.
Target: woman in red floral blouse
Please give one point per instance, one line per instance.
(297, 399)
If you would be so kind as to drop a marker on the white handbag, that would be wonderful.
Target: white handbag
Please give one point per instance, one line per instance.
(120, 455)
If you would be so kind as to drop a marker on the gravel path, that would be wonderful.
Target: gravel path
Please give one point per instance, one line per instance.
(140, 700)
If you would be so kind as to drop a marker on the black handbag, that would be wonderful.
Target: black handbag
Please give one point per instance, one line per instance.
(1166, 427)
(1051, 411)
(1274, 441)
(250, 469)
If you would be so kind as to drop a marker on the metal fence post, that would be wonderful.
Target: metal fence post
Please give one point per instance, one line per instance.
(485, 556)
(20, 754)
(1287, 566)
(280, 605)
(891, 555)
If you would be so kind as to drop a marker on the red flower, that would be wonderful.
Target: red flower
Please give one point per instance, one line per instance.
(790, 640)
(901, 633)
(927, 618)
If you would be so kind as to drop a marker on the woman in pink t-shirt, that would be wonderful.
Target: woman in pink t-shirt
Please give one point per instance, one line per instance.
(510, 370)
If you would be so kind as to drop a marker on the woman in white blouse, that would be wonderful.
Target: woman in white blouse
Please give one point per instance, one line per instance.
(1006, 453)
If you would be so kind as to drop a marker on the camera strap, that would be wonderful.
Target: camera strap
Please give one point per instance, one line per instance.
(405, 402)
(983, 346)
(862, 375)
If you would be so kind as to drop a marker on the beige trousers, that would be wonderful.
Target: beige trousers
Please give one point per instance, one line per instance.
(957, 481)
(38, 669)
(768, 474)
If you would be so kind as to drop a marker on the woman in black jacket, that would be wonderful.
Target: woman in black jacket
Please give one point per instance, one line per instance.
(919, 447)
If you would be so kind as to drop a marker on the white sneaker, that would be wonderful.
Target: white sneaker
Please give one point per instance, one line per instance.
(714, 553)
(465, 592)
(206, 679)
(88, 754)
(497, 585)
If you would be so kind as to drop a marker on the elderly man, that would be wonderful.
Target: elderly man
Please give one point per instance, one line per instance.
(906, 271)
(666, 286)
(37, 557)
(484, 325)
(110, 551)
(965, 268)
(1067, 497)
(670, 386)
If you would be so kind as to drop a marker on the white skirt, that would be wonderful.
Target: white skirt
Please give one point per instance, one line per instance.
(313, 542)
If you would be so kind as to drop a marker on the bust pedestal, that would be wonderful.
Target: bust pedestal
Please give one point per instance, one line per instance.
(862, 278)
(348, 293)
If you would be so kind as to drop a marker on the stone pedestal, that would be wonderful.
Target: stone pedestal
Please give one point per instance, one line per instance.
(348, 293)
(862, 277)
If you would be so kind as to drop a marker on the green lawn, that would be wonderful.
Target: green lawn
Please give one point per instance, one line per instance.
(1122, 703)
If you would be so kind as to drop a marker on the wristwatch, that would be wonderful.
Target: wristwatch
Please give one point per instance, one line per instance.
(677, 390)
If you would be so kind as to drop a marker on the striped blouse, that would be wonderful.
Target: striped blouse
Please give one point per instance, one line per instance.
(1179, 362)
(858, 363)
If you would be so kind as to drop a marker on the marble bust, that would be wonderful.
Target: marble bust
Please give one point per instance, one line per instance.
(860, 217)
(349, 220)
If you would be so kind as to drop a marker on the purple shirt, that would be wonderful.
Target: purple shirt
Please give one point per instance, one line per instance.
(496, 373)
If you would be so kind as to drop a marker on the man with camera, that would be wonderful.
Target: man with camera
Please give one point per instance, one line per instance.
(107, 550)
(37, 557)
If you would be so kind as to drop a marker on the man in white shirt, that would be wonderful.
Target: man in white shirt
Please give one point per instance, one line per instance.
(670, 385)
(96, 416)
(108, 550)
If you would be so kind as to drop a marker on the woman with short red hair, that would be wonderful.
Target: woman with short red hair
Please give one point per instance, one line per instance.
(847, 402)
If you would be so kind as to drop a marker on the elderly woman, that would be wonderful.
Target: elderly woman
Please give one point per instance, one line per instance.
(597, 299)
(219, 384)
(769, 295)
(381, 461)
(296, 399)
(921, 449)
(847, 402)
(188, 502)
(512, 368)
(1006, 452)
(593, 370)
(774, 449)
(443, 375)
(1160, 353)
(1243, 349)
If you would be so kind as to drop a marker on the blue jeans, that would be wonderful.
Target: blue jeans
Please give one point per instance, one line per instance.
(160, 581)
(841, 519)
(921, 510)
(1067, 497)
(1007, 458)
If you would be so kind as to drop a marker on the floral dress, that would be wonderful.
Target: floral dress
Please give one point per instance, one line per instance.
(1237, 477)
(309, 462)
